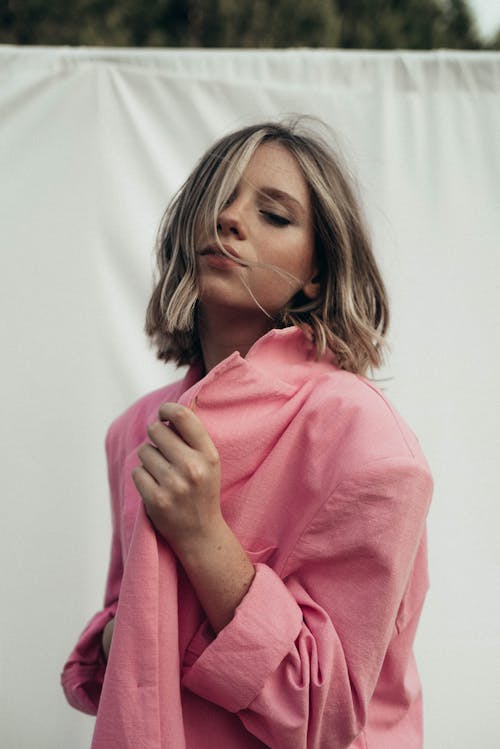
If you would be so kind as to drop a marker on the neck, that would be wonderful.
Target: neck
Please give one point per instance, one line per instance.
(223, 332)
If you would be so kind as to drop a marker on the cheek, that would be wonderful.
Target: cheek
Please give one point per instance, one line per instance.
(273, 289)
(294, 255)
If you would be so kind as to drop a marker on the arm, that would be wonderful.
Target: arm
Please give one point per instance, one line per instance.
(323, 625)
(179, 481)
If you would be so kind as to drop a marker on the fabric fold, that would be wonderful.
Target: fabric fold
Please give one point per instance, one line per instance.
(328, 486)
(140, 701)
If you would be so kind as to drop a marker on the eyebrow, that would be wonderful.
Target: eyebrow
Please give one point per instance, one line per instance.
(280, 195)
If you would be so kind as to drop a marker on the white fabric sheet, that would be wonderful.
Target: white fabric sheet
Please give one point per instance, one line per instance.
(93, 142)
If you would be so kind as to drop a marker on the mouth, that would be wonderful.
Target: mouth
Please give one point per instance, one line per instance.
(214, 249)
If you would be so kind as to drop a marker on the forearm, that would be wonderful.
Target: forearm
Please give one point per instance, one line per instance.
(220, 573)
(179, 482)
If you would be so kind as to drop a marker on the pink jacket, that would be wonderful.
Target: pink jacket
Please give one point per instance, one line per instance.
(327, 489)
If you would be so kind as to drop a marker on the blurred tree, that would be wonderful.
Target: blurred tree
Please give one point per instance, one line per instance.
(369, 24)
(494, 42)
(389, 24)
(413, 24)
(458, 28)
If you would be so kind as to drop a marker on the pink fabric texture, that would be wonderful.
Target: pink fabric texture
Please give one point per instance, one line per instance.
(327, 489)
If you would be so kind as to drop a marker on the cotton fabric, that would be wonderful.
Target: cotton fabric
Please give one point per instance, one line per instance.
(327, 489)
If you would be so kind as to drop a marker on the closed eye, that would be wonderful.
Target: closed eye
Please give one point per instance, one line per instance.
(275, 218)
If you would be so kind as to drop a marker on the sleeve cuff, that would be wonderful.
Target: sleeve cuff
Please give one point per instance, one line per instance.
(233, 669)
(83, 673)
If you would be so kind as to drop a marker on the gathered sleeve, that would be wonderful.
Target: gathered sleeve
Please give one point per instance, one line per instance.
(83, 673)
(300, 659)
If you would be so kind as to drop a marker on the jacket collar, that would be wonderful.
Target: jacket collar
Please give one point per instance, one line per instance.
(246, 404)
(280, 356)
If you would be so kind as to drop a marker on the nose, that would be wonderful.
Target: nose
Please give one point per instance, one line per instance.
(230, 222)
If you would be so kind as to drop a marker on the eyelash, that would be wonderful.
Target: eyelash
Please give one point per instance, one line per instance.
(272, 218)
(275, 219)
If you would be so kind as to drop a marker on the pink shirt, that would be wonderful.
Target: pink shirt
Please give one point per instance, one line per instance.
(327, 489)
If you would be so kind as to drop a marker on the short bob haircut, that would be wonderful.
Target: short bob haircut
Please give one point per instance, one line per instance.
(349, 316)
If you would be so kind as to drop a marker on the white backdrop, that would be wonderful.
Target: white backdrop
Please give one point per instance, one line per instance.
(92, 145)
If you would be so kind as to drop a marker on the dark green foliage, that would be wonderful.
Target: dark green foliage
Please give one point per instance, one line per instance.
(367, 24)
(494, 42)
(459, 27)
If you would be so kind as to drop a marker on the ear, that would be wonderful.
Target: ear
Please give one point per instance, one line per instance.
(312, 288)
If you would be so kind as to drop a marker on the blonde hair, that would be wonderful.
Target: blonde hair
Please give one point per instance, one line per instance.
(350, 316)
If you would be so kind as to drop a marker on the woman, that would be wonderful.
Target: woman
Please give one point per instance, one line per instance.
(268, 563)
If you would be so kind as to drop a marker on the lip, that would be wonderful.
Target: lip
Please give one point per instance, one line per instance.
(214, 249)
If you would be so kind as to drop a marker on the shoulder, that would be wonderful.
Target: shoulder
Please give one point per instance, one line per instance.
(128, 430)
(373, 475)
(359, 422)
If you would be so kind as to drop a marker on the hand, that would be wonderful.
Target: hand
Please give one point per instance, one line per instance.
(107, 636)
(179, 479)
(179, 482)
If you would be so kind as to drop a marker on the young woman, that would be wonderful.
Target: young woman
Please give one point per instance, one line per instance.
(268, 563)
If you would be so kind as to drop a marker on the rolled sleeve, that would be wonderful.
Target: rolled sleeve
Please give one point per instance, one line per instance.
(83, 673)
(233, 669)
(301, 658)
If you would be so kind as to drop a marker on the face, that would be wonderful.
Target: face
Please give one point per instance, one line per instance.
(267, 220)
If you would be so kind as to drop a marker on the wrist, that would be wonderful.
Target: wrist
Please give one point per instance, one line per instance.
(220, 573)
(195, 549)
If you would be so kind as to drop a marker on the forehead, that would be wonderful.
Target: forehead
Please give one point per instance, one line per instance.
(272, 165)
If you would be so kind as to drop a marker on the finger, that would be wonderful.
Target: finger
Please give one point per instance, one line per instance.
(144, 483)
(154, 462)
(188, 426)
(169, 443)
